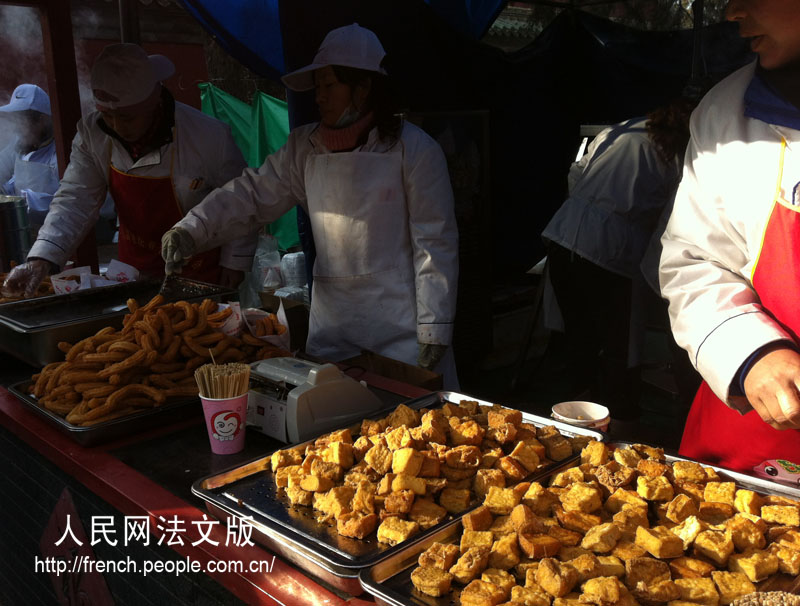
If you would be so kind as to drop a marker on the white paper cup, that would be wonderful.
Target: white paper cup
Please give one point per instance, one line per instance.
(583, 414)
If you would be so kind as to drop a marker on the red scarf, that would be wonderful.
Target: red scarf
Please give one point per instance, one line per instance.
(348, 137)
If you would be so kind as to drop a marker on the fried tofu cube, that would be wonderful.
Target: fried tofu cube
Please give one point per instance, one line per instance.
(478, 519)
(505, 552)
(627, 456)
(595, 453)
(685, 567)
(662, 591)
(489, 456)
(622, 497)
(356, 525)
(403, 415)
(566, 553)
(645, 571)
(680, 508)
(787, 538)
(537, 546)
(284, 458)
(587, 565)
(603, 591)
(298, 496)
(283, 473)
(394, 530)
(379, 458)
(503, 434)
(399, 437)
(731, 585)
(568, 538)
(336, 501)
(582, 497)
(431, 581)
(698, 591)
(611, 566)
(788, 559)
(602, 538)
(649, 452)
(659, 542)
(529, 596)
(340, 453)
(612, 475)
(501, 501)
(571, 599)
(453, 474)
(522, 516)
(512, 469)
(326, 469)
(466, 432)
(455, 500)
(714, 513)
(399, 501)
(476, 538)
(627, 550)
(688, 471)
(463, 457)
(786, 515)
(720, 492)
(745, 534)
(482, 593)
(747, 501)
(557, 447)
(756, 564)
(689, 529)
(654, 489)
(576, 520)
(484, 478)
(502, 526)
(717, 546)
(316, 484)
(525, 455)
(403, 481)
(500, 416)
(567, 477)
(540, 500)
(407, 460)
(471, 563)
(629, 519)
(454, 410)
(556, 578)
(502, 578)
(652, 468)
(439, 555)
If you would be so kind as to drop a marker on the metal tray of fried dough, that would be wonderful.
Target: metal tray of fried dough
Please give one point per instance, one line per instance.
(249, 491)
(389, 581)
(30, 330)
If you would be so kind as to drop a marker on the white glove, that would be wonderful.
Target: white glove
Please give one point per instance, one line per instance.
(24, 279)
(430, 354)
(177, 245)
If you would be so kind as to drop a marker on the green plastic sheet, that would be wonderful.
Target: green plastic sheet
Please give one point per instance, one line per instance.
(259, 129)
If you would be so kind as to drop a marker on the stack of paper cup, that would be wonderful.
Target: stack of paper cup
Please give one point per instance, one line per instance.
(583, 414)
(293, 268)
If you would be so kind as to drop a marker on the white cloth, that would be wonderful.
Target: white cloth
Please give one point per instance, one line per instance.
(617, 192)
(33, 175)
(384, 226)
(205, 157)
(714, 234)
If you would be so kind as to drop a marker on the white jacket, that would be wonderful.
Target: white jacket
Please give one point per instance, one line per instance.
(205, 158)
(715, 232)
(617, 191)
(430, 261)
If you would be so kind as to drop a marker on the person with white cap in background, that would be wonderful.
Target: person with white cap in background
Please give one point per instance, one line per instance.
(28, 165)
(381, 205)
(157, 158)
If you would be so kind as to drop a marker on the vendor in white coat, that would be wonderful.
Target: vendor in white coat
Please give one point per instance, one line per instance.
(28, 165)
(730, 265)
(381, 206)
(156, 157)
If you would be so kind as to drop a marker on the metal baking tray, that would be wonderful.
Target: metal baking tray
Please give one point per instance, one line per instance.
(171, 411)
(30, 330)
(249, 491)
(389, 581)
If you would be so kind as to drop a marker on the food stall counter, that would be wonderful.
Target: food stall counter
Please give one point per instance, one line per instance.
(79, 504)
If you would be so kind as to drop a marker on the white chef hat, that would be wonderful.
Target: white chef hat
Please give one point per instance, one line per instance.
(349, 46)
(28, 97)
(124, 75)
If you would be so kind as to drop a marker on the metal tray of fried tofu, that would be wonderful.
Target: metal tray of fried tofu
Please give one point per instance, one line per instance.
(250, 491)
(389, 581)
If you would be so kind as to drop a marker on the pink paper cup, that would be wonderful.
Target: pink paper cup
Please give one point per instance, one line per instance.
(225, 421)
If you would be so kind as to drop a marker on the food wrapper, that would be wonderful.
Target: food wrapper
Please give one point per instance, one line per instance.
(234, 325)
(82, 278)
(252, 317)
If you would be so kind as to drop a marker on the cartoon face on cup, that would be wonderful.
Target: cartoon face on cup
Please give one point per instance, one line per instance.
(225, 425)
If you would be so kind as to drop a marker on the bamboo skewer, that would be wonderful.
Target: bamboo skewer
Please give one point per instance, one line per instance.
(220, 381)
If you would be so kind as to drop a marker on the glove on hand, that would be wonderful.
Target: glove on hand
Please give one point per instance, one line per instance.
(177, 245)
(25, 279)
(430, 354)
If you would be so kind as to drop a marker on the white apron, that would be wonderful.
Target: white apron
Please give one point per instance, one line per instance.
(363, 294)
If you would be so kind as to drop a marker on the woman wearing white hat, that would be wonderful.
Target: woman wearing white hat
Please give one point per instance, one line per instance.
(156, 157)
(381, 206)
(28, 165)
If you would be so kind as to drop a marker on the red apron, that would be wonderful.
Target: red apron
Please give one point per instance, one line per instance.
(147, 208)
(717, 434)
